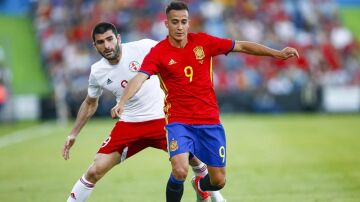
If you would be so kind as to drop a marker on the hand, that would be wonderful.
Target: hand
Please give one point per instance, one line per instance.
(117, 110)
(69, 142)
(288, 52)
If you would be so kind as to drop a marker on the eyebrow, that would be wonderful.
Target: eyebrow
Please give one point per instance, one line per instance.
(107, 38)
(176, 19)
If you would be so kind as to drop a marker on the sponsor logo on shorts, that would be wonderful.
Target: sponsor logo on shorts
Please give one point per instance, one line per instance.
(173, 145)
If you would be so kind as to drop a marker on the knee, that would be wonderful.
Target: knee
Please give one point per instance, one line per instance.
(94, 174)
(180, 173)
(219, 183)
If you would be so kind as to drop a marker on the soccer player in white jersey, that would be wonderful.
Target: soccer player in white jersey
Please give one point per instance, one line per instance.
(141, 125)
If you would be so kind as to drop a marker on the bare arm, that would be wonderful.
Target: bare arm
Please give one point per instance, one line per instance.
(86, 111)
(132, 87)
(261, 50)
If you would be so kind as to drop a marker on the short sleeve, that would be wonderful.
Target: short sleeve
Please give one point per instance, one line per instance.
(151, 63)
(218, 46)
(146, 45)
(94, 89)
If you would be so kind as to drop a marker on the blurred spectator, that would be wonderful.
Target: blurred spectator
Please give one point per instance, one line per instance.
(3, 95)
(328, 50)
(5, 79)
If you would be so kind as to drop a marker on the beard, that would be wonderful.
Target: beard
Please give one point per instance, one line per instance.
(115, 55)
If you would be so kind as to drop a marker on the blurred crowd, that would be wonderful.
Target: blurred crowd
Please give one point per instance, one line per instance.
(329, 52)
(5, 79)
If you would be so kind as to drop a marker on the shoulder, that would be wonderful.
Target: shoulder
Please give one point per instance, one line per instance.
(99, 63)
(198, 35)
(148, 42)
(163, 44)
(202, 36)
(99, 66)
(143, 43)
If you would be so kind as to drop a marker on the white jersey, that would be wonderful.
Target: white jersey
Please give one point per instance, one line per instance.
(147, 103)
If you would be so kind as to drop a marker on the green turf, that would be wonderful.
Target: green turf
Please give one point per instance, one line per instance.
(270, 158)
(350, 17)
(22, 55)
(8, 128)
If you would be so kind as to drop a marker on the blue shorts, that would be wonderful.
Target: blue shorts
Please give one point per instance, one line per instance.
(206, 142)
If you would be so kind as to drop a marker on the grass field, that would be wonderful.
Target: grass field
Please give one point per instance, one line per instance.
(18, 40)
(350, 17)
(291, 158)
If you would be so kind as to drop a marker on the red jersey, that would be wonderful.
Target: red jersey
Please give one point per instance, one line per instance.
(186, 77)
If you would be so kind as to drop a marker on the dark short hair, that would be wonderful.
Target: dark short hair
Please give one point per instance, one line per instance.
(176, 5)
(103, 27)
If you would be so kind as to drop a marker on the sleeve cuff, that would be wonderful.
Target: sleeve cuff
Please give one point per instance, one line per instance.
(145, 72)
(232, 47)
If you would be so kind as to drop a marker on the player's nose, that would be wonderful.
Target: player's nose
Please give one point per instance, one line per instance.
(180, 27)
(107, 45)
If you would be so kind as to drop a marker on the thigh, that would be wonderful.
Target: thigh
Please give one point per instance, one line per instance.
(129, 138)
(158, 143)
(157, 137)
(179, 137)
(210, 145)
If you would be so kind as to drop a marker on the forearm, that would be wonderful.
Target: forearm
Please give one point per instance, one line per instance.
(255, 49)
(86, 111)
(132, 87)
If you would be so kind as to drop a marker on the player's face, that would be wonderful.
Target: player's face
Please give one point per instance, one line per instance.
(107, 44)
(178, 24)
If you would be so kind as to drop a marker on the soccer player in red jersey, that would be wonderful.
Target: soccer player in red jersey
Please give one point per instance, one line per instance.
(183, 62)
(141, 126)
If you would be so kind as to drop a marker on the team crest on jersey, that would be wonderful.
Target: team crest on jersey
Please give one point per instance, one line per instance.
(173, 145)
(199, 52)
(134, 66)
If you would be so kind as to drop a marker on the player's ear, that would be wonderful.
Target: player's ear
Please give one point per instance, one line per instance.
(94, 45)
(118, 38)
(166, 23)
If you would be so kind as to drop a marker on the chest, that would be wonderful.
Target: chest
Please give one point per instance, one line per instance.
(187, 65)
(116, 79)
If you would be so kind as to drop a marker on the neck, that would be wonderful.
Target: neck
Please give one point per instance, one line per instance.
(115, 60)
(177, 43)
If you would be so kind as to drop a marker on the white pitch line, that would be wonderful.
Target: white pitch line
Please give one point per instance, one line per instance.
(25, 134)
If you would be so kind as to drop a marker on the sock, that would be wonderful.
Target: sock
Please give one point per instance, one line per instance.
(200, 170)
(205, 185)
(81, 190)
(217, 196)
(191, 156)
(174, 189)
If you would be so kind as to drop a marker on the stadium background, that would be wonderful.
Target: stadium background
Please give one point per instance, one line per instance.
(274, 153)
